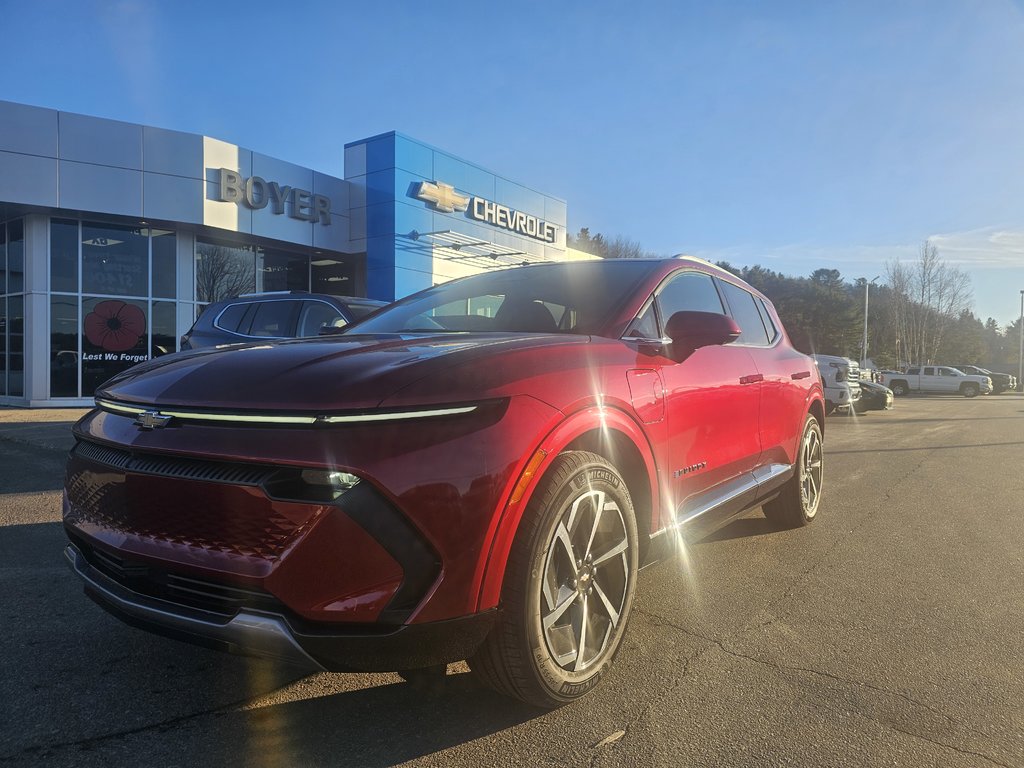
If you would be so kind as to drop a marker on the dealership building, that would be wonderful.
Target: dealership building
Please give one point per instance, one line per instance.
(115, 236)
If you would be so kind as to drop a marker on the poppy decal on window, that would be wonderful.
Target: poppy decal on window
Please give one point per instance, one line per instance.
(115, 326)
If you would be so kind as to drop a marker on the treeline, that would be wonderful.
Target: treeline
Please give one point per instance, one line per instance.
(824, 313)
(920, 313)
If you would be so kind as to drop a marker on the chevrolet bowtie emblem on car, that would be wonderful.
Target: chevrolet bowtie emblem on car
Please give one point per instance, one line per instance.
(442, 196)
(151, 420)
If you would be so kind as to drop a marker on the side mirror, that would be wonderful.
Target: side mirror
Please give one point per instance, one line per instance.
(690, 331)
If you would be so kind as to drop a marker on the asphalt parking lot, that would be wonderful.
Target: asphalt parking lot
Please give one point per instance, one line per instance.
(890, 632)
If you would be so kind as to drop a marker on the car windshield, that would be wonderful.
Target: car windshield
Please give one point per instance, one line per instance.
(579, 298)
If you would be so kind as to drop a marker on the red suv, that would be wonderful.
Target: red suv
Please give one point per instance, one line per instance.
(476, 472)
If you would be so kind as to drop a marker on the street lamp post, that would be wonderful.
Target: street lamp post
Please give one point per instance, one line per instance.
(1020, 366)
(864, 343)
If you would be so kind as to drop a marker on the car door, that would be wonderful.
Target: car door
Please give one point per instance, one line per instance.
(930, 381)
(712, 402)
(785, 375)
(951, 379)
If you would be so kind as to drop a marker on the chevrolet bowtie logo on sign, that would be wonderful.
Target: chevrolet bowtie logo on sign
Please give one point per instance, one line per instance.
(442, 196)
(151, 420)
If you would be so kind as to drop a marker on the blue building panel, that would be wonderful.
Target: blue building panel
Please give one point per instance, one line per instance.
(464, 176)
(380, 187)
(518, 197)
(384, 174)
(380, 153)
(414, 157)
(410, 218)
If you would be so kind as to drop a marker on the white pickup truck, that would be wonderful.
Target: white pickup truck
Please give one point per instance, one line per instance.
(840, 378)
(937, 379)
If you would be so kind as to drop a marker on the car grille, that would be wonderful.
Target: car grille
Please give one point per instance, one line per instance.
(189, 591)
(172, 466)
(210, 506)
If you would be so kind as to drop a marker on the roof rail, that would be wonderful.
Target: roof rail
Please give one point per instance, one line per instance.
(271, 293)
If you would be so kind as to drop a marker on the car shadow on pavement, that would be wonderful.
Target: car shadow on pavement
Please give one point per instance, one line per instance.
(80, 688)
(741, 529)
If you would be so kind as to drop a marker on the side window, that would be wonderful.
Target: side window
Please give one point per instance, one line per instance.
(274, 319)
(689, 291)
(766, 318)
(645, 326)
(359, 311)
(316, 314)
(231, 316)
(745, 313)
(929, 371)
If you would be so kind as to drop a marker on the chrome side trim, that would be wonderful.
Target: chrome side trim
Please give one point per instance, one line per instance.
(758, 483)
(258, 634)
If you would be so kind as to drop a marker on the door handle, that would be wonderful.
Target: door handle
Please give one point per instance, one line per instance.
(752, 379)
(800, 375)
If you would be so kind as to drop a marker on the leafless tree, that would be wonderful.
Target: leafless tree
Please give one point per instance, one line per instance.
(222, 272)
(928, 297)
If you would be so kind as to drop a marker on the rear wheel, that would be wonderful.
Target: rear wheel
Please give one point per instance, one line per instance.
(797, 504)
(568, 588)
(970, 390)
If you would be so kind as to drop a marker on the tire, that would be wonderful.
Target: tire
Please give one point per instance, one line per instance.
(899, 388)
(570, 578)
(970, 390)
(797, 504)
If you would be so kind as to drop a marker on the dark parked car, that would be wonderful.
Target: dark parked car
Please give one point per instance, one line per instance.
(475, 472)
(873, 397)
(1001, 382)
(284, 315)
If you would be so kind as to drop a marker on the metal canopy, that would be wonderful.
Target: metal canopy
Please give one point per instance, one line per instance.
(482, 254)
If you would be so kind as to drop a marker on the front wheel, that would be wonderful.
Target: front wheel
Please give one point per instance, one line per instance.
(898, 388)
(568, 587)
(797, 504)
(970, 390)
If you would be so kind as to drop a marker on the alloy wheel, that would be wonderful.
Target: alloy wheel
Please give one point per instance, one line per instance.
(811, 472)
(585, 581)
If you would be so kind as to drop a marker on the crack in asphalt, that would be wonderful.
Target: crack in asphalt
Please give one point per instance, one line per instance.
(658, 620)
(91, 741)
(953, 747)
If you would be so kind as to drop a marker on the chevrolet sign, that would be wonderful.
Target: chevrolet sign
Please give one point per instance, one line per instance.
(444, 198)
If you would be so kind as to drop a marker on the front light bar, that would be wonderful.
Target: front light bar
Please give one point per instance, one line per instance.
(258, 418)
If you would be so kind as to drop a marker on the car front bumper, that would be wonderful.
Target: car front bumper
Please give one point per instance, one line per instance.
(283, 638)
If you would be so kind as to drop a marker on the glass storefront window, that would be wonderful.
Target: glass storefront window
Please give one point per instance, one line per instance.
(334, 277)
(3, 343)
(64, 346)
(165, 259)
(115, 336)
(115, 260)
(224, 270)
(164, 321)
(3, 258)
(15, 256)
(64, 256)
(16, 346)
(279, 271)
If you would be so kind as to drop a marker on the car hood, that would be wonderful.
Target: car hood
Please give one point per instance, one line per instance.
(339, 373)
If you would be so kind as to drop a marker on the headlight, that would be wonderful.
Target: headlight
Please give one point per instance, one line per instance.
(311, 485)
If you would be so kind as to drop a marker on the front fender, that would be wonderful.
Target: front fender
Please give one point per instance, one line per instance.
(605, 419)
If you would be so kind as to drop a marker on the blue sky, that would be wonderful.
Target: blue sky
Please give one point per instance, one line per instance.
(794, 135)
